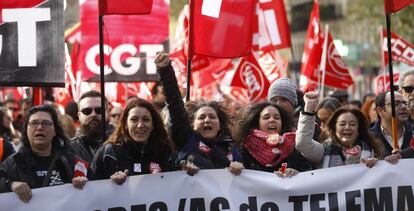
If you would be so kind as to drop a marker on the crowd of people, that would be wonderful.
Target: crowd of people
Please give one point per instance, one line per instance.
(286, 134)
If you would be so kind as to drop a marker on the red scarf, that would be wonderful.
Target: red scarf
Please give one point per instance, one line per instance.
(269, 149)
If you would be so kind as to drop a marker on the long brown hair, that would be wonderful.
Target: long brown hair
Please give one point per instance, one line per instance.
(251, 117)
(158, 138)
(364, 134)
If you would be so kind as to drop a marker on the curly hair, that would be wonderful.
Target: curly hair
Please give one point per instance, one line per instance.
(3, 128)
(251, 116)
(60, 134)
(364, 134)
(158, 138)
(220, 110)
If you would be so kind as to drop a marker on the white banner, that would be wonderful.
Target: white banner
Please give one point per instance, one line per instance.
(384, 187)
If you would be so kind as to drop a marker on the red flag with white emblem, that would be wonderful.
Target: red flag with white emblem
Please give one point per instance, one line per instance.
(250, 76)
(401, 50)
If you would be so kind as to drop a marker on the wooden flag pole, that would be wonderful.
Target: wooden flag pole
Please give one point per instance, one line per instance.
(391, 75)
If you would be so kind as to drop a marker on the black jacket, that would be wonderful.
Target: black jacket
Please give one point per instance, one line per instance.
(21, 167)
(137, 158)
(376, 129)
(188, 142)
(82, 149)
(8, 150)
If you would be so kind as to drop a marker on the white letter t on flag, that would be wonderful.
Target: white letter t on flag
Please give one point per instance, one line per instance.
(211, 8)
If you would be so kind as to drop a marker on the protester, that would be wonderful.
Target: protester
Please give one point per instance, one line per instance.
(158, 97)
(369, 111)
(325, 109)
(347, 139)
(267, 142)
(139, 145)
(355, 104)
(341, 95)
(406, 83)
(383, 127)
(282, 92)
(44, 159)
(89, 136)
(68, 125)
(115, 115)
(201, 135)
(7, 131)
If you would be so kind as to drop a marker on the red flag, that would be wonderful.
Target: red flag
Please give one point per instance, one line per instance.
(250, 76)
(180, 55)
(312, 50)
(382, 82)
(401, 50)
(337, 74)
(125, 7)
(37, 96)
(392, 6)
(221, 28)
(271, 28)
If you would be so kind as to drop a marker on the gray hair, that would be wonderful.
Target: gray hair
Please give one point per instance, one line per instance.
(405, 73)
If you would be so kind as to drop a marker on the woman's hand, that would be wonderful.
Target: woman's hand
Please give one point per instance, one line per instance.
(22, 190)
(189, 167)
(236, 168)
(162, 60)
(79, 182)
(370, 162)
(119, 177)
(311, 101)
(393, 159)
(289, 172)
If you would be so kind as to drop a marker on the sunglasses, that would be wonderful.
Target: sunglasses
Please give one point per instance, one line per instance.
(408, 89)
(88, 111)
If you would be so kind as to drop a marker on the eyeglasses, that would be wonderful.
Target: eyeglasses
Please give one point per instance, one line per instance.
(88, 111)
(398, 103)
(408, 89)
(44, 123)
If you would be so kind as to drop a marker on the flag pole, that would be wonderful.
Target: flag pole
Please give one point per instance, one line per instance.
(391, 75)
(102, 76)
(323, 61)
(190, 49)
(383, 66)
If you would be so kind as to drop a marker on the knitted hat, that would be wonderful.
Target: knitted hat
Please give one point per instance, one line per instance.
(283, 87)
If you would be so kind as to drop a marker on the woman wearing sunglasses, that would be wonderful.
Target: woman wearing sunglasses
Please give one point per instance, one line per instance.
(139, 145)
(44, 159)
(346, 138)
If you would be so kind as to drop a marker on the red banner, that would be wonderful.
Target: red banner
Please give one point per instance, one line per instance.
(270, 26)
(392, 6)
(124, 7)
(401, 50)
(130, 43)
(250, 76)
(312, 50)
(221, 28)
